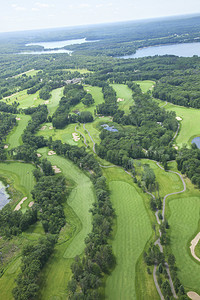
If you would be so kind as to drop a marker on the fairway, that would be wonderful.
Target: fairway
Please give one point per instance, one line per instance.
(24, 99)
(54, 100)
(183, 221)
(145, 85)
(125, 93)
(14, 138)
(132, 232)
(190, 123)
(57, 272)
(22, 178)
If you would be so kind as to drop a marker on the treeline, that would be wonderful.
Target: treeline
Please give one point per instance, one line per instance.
(150, 135)
(34, 257)
(31, 143)
(109, 108)
(188, 162)
(9, 108)
(98, 258)
(7, 122)
(73, 94)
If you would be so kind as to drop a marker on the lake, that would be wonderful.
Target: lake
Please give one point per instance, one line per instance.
(196, 140)
(4, 197)
(55, 46)
(184, 50)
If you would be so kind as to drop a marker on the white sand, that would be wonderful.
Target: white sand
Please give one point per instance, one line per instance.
(5, 146)
(20, 203)
(120, 99)
(75, 136)
(35, 99)
(18, 119)
(56, 169)
(31, 204)
(43, 127)
(46, 102)
(194, 242)
(193, 296)
(50, 127)
(39, 155)
(178, 119)
(51, 152)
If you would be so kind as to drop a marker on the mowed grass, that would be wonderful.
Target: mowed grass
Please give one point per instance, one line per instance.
(22, 178)
(81, 71)
(125, 93)
(146, 85)
(56, 95)
(57, 272)
(28, 73)
(24, 99)
(14, 138)
(190, 123)
(96, 93)
(133, 230)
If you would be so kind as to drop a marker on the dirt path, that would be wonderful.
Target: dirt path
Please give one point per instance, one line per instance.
(85, 142)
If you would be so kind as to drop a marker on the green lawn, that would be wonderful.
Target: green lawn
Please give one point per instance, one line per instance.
(132, 232)
(24, 99)
(57, 272)
(81, 71)
(190, 123)
(146, 85)
(21, 177)
(14, 138)
(54, 100)
(125, 93)
(28, 73)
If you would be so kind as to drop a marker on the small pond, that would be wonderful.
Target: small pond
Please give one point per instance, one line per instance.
(4, 197)
(109, 128)
(196, 140)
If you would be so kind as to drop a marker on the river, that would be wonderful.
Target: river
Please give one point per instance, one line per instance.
(4, 197)
(184, 50)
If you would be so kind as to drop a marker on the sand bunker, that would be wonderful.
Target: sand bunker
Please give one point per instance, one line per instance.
(5, 146)
(51, 152)
(56, 169)
(35, 99)
(194, 242)
(20, 203)
(76, 138)
(50, 127)
(18, 119)
(46, 102)
(178, 119)
(39, 155)
(193, 296)
(31, 204)
(43, 127)
(120, 99)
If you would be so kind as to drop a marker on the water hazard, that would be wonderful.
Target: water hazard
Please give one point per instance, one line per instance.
(196, 141)
(4, 197)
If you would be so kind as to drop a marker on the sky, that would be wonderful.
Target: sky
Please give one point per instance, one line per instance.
(18, 15)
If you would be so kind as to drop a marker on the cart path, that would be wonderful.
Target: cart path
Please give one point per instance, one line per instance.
(90, 138)
(85, 142)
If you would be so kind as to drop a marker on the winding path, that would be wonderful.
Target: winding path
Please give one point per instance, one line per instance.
(164, 104)
(85, 141)
(177, 131)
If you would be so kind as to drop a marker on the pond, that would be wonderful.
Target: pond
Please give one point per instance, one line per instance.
(109, 128)
(196, 141)
(4, 197)
(184, 50)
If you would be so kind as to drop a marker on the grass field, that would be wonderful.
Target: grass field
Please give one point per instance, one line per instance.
(132, 232)
(54, 100)
(81, 71)
(146, 85)
(28, 73)
(190, 123)
(14, 138)
(125, 93)
(21, 177)
(24, 99)
(57, 272)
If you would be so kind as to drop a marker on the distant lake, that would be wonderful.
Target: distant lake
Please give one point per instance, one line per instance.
(196, 140)
(184, 50)
(4, 197)
(56, 46)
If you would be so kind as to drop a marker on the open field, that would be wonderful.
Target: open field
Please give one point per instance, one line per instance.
(57, 272)
(146, 85)
(81, 71)
(125, 93)
(14, 138)
(54, 100)
(24, 99)
(28, 73)
(22, 178)
(133, 230)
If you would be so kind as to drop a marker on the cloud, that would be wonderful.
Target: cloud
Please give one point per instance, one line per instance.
(84, 5)
(18, 8)
(43, 5)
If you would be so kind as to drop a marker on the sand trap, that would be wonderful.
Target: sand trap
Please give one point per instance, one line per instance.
(193, 296)
(20, 203)
(46, 102)
(39, 155)
(50, 127)
(43, 127)
(18, 119)
(51, 152)
(56, 169)
(31, 204)
(178, 119)
(35, 99)
(87, 90)
(194, 242)
(5, 146)
(76, 138)
(120, 99)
